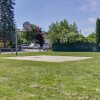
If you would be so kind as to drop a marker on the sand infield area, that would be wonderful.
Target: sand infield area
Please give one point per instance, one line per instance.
(46, 58)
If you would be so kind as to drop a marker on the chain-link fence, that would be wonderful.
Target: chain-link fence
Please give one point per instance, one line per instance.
(76, 47)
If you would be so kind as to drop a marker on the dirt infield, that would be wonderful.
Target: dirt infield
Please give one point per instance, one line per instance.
(46, 58)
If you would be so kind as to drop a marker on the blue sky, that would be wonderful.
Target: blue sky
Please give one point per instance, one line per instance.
(44, 12)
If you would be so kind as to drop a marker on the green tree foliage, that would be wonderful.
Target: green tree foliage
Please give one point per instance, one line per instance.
(91, 38)
(30, 35)
(98, 30)
(7, 23)
(35, 35)
(21, 38)
(62, 32)
(73, 28)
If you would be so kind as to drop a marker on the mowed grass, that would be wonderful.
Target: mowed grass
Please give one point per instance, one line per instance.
(30, 80)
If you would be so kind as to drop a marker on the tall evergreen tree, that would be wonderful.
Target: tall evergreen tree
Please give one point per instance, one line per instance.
(7, 22)
(98, 30)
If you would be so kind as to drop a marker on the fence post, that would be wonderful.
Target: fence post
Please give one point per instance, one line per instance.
(0, 51)
(12, 51)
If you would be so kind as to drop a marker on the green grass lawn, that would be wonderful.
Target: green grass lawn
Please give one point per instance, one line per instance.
(29, 80)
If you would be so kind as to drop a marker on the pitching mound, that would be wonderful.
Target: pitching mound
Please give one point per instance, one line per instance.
(45, 58)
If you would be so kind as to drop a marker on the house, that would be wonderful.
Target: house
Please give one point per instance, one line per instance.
(2, 43)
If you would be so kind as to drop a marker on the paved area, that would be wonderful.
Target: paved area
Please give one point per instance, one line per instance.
(46, 58)
(24, 50)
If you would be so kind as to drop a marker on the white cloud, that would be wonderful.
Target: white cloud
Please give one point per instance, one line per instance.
(92, 20)
(91, 5)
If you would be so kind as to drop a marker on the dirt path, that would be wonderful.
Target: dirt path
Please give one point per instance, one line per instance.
(46, 58)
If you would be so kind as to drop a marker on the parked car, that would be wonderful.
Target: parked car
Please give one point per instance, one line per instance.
(37, 46)
(24, 46)
(46, 46)
(34, 46)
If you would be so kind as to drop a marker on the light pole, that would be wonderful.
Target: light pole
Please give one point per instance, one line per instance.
(16, 44)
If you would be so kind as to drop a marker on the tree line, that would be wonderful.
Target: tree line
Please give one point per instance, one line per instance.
(65, 33)
(60, 32)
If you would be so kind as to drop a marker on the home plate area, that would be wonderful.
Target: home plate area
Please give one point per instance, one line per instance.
(46, 58)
